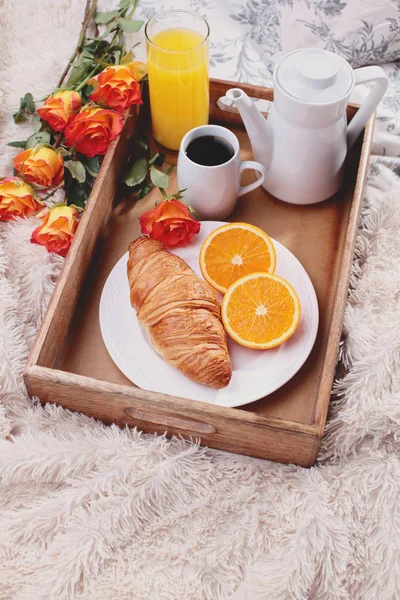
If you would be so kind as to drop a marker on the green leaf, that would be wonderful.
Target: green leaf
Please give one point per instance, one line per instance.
(158, 178)
(41, 137)
(78, 193)
(108, 30)
(29, 104)
(78, 73)
(137, 173)
(19, 116)
(77, 170)
(85, 55)
(124, 3)
(144, 189)
(92, 165)
(63, 151)
(16, 144)
(86, 91)
(46, 127)
(105, 17)
(128, 25)
(36, 123)
(127, 58)
(116, 48)
(96, 46)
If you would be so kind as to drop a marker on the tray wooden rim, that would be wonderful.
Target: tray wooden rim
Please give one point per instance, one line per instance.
(42, 378)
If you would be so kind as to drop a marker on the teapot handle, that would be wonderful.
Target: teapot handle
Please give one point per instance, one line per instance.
(370, 103)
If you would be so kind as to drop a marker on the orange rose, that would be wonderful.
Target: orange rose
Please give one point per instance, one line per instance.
(118, 86)
(58, 109)
(57, 229)
(92, 129)
(17, 199)
(40, 165)
(171, 223)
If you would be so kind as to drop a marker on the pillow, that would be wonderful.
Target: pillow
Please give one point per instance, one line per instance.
(364, 32)
(245, 35)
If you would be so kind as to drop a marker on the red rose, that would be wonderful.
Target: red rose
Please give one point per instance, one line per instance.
(171, 223)
(92, 129)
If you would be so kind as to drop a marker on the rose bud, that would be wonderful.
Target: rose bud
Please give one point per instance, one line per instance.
(40, 165)
(57, 229)
(171, 223)
(58, 109)
(17, 199)
(92, 129)
(118, 87)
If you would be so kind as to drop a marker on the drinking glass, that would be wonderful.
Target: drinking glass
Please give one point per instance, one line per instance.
(177, 55)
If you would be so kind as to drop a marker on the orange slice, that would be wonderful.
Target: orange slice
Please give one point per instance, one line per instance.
(234, 250)
(260, 311)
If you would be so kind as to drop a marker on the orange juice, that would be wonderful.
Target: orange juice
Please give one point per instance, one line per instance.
(178, 82)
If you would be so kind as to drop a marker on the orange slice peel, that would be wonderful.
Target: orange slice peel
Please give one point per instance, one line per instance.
(261, 311)
(233, 251)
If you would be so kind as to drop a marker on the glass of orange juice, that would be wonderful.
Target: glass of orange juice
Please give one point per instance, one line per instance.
(177, 56)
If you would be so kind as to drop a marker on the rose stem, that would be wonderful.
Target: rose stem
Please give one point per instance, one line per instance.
(90, 9)
(52, 193)
(58, 139)
(84, 82)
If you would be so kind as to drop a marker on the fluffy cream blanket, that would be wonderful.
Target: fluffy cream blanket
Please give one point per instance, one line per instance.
(90, 512)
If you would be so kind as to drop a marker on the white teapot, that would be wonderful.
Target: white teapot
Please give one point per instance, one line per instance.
(304, 143)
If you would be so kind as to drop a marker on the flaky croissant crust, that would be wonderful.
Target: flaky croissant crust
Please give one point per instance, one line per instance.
(181, 312)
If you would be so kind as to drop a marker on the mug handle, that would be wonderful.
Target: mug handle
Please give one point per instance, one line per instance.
(370, 103)
(252, 164)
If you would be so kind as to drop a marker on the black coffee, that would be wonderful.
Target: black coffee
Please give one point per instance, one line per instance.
(209, 151)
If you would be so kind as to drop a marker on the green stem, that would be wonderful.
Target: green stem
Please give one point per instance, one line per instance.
(113, 38)
(133, 9)
(90, 10)
(102, 63)
(84, 82)
(52, 193)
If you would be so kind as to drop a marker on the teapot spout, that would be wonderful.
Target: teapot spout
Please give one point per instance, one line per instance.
(256, 125)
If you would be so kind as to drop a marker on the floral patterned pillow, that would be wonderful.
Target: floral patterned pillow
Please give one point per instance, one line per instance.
(245, 35)
(364, 32)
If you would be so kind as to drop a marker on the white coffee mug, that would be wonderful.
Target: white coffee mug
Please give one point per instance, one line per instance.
(213, 190)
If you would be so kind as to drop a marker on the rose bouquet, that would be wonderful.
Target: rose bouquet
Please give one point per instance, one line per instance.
(73, 129)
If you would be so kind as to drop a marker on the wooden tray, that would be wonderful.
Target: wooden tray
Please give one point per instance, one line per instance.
(70, 365)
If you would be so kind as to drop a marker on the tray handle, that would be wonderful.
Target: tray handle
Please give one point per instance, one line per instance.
(168, 421)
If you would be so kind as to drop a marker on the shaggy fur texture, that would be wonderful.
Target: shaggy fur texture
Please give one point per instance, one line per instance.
(90, 512)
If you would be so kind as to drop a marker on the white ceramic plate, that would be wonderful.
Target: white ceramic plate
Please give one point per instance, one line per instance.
(256, 373)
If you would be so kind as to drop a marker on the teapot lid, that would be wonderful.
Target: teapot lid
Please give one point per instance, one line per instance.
(314, 75)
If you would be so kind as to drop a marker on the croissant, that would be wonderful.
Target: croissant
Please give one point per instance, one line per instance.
(180, 311)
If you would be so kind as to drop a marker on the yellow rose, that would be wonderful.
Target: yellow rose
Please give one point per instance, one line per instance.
(17, 199)
(40, 165)
(57, 229)
(58, 109)
(117, 86)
